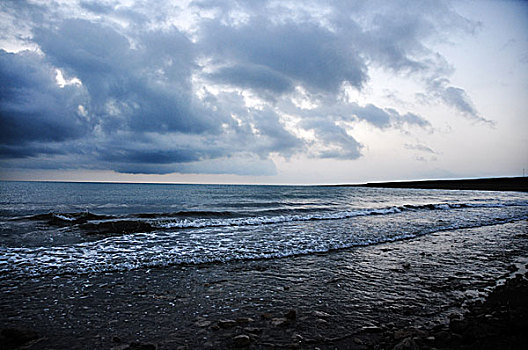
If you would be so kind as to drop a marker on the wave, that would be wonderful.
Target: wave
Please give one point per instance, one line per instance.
(110, 255)
(64, 219)
(187, 214)
(340, 215)
(91, 223)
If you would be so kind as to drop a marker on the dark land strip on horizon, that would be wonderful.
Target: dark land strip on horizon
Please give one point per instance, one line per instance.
(485, 184)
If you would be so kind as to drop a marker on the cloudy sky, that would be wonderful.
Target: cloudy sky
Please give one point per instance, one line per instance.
(221, 91)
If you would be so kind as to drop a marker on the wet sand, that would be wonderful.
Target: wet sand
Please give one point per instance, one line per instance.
(403, 295)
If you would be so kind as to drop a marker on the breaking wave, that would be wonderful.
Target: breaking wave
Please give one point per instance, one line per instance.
(90, 223)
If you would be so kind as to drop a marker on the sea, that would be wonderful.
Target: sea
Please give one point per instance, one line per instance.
(49, 229)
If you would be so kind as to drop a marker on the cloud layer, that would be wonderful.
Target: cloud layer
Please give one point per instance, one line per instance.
(212, 86)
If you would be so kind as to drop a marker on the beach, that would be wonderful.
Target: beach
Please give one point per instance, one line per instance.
(404, 293)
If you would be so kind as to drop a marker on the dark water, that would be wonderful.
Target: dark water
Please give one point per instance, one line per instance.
(55, 228)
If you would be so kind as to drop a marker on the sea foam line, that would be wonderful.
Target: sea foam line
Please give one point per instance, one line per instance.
(96, 257)
(278, 219)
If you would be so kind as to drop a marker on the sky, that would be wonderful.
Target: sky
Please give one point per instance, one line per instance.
(264, 92)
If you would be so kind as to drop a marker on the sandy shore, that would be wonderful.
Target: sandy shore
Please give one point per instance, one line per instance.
(404, 295)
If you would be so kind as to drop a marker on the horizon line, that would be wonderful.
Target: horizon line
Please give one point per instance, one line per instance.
(265, 184)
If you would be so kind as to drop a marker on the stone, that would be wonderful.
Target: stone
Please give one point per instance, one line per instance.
(279, 321)
(407, 344)
(297, 337)
(291, 314)
(455, 316)
(140, 346)
(241, 341)
(321, 314)
(116, 339)
(203, 323)
(443, 336)
(458, 326)
(227, 323)
(245, 320)
(372, 329)
(321, 322)
(253, 330)
(407, 332)
(15, 337)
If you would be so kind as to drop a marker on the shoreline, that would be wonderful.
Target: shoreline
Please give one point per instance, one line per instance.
(519, 184)
(375, 297)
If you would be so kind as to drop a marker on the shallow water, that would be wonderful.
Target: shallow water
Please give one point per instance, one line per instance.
(417, 282)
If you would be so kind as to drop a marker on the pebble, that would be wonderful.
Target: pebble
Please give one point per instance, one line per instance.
(245, 320)
(140, 346)
(321, 322)
(297, 337)
(266, 316)
(407, 344)
(241, 340)
(279, 321)
(203, 323)
(291, 314)
(116, 339)
(321, 314)
(227, 323)
(253, 330)
(372, 329)
(15, 337)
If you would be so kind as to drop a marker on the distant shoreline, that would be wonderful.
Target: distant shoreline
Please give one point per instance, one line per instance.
(485, 184)
(519, 184)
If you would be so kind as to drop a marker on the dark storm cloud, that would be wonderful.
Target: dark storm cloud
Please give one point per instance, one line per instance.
(96, 7)
(143, 96)
(253, 76)
(152, 156)
(338, 143)
(144, 88)
(307, 54)
(32, 106)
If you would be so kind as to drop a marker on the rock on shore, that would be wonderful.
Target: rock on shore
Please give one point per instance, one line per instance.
(500, 322)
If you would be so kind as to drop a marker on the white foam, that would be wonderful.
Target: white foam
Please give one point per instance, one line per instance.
(265, 220)
(162, 248)
(63, 217)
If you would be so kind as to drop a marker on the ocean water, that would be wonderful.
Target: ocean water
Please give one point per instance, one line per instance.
(50, 229)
